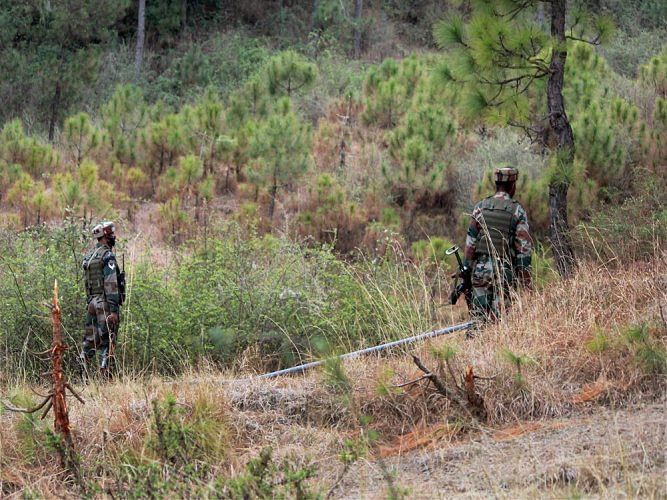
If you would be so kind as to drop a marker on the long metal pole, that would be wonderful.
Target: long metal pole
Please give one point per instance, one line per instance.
(368, 350)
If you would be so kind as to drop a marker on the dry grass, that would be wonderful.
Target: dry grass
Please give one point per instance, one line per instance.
(306, 416)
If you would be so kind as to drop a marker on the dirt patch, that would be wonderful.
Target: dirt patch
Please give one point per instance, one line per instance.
(610, 454)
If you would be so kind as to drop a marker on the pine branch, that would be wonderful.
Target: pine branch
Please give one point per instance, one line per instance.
(594, 41)
(512, 13)
(532, 132)
(514, 80)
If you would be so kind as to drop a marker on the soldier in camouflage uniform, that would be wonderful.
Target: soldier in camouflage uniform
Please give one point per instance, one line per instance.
(102, 277)
(498, 248)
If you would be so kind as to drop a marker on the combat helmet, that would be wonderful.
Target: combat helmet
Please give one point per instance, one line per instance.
(102, 229)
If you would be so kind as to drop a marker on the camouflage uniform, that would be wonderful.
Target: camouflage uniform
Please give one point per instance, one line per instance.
(498, 248)
(101, 279)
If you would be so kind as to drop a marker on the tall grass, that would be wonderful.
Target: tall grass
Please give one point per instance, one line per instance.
(559, 329)
(241, 299)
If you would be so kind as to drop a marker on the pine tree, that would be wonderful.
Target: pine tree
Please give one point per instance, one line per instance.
(289, 72)
(190, 172)
(81, 136)
(213, 141)
(162, 141)
(281, 149)
(20, 195)
(18, 149)
(654, 73)
(504, 57)
(123, 116)
(52, 50)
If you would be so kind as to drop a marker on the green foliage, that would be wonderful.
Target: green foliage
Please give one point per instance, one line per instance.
(628, 231)
(215, 301)
(502, 55)
(654, 74)
(81, 137)
(181, 438)
(648, 351)
(83, 194)
(388, 90)
(418, 146)
(123, 116)
(163, 141)
(336, 377)
(627, 51)
(49, 53)
(289, 72)
(519, 361)
(432, 251)
(281, 151)
(31, 431)
(264, 478)
(446, 352)
(29, 153)
(173, 218)
(599, 343)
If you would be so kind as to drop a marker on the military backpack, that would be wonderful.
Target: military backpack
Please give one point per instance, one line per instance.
(497, 233)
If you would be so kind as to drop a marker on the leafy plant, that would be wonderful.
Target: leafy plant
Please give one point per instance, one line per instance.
(519, 361)
(599, 343)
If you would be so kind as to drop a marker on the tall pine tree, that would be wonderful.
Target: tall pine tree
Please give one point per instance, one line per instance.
(506, 58)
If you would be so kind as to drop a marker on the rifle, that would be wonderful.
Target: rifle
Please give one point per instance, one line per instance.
(121, 284)
(464, 287)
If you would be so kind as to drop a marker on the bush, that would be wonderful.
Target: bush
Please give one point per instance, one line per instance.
(624, 232)
(236, 294)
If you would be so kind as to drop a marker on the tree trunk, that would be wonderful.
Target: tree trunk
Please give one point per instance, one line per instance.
(184, 13)
(562, 133)
(272, 203)
(55, 109)
(313, 16)
(141, 34)
(314, 28)
(358, 6)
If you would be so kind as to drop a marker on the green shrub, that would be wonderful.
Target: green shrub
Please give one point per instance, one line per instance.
(237, 292)
(599, 343)
(647, 351)
(264, 478)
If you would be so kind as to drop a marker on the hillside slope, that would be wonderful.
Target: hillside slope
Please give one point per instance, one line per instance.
(584, 415)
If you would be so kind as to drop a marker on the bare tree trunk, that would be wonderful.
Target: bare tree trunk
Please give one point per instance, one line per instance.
(141, 35)
(272, 203)
(358, 6)
(313, 16)
(55, 109)
(184, 13)
(562, 132)
(313, 29)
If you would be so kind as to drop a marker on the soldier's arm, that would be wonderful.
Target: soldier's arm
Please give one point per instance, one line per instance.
(111, 282)
(471, 236)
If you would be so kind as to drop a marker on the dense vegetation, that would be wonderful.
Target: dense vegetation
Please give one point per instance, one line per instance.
(302, 165)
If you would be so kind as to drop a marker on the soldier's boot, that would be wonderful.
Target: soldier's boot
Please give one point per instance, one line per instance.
(107, 363)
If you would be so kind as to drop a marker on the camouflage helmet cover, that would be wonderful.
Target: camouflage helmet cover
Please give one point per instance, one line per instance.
(506, 174)
(103, 229)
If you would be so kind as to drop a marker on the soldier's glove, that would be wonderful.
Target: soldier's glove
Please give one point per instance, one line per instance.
(113, 319)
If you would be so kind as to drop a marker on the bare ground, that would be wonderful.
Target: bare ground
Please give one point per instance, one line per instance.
(609, 454)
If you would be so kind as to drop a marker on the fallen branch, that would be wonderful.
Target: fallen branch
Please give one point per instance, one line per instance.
(444, 390)
(9, 407)
(404, 384)
(75, 394)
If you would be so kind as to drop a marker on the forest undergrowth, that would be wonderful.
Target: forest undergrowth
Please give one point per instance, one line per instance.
(571, 349)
